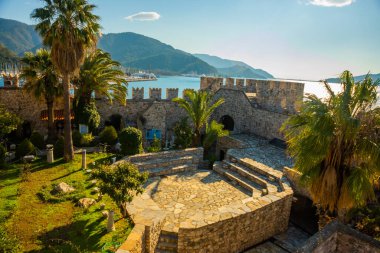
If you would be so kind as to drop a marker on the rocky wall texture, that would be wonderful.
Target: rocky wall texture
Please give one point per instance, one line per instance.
(152, 233)
(135, 242)
(238, 233)
(27, 107)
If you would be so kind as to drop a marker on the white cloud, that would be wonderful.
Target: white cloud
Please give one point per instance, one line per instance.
(331, 3)
(144, 16)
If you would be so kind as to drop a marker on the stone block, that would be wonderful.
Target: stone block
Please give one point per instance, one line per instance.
(155, 93)
(171, 93)
(138, 93)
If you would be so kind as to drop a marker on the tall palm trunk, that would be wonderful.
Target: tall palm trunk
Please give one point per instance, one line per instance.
(197, 138)
(50, 109)
(69, 150)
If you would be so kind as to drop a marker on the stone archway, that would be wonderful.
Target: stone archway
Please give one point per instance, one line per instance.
(228, 122)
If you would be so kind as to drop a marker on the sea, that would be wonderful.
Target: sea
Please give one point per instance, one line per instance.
(183, 82)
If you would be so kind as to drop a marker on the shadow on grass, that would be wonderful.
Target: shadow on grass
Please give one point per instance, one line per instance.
(41, 164)
(66, 175)
(79, 236)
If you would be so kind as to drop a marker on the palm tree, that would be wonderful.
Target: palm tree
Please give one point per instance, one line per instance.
(333, 143)
(70, 29)
(100, 74)
(199, 106)
(42, 80)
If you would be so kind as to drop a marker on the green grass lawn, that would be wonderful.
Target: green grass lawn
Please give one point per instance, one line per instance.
(56, 224)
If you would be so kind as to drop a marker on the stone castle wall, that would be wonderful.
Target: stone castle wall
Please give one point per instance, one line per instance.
(262, 112)
(238, 233)
(271, 95)
(27, 107)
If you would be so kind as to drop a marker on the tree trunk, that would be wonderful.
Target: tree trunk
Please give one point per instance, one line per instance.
(123, 209)
(197, 138)
(69, 150)
(51, 130)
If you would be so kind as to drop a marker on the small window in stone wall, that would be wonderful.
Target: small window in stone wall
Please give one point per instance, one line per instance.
(151, 133)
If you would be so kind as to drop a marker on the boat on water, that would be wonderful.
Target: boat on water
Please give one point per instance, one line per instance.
(141, 76)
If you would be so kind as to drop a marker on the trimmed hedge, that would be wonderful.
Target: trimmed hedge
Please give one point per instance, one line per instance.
(25, 148)
(131, 141)
(108, 135)
(38, 140)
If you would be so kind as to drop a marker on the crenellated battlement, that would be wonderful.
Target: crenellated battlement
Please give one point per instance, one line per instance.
(171, 93)
(11, 80)
(155, 93)
(138, 93)
(271, 95)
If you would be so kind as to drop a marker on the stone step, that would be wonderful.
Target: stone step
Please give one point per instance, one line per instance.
(163, 251)
(168, 238)
(163, 162)
(169, 233)
(243, 171)
(257, 167)
(168, 246)
(272, 185)
(255, 189)
(155, 172)
(172, 154)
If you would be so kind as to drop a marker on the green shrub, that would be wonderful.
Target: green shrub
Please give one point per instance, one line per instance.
(38, 140)
(3, 151)
(131, 141)
(59, 147)
(108, 135)
(87, 140)
(77, 138)
(155, 146)
(183, 134)
(25, 148)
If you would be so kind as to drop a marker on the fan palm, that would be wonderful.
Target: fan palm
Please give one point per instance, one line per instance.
(100, 74)
(199, 106)
(70, 29)
(42, 80)
(334, 146)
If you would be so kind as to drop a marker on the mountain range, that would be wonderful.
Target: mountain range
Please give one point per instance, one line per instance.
(136, 51)
(356, 78)
(233, 68)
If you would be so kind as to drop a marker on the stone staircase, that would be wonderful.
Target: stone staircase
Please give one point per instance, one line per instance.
(250, 175)
(167, 242)
(167, 162)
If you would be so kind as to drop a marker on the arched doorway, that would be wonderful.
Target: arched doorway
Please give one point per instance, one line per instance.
(227, 122)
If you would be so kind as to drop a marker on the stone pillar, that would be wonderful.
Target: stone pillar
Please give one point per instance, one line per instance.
(50, 153)
(84, 163)
(110, 221)
(230, 82)
(171, 93)
(138, 93)
(240, 84)
(155, 93)
(250, 85)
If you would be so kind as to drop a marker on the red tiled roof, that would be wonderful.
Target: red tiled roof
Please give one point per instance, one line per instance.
(58, 115)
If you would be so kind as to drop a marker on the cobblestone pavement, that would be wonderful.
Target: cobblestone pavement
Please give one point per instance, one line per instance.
(194, 199)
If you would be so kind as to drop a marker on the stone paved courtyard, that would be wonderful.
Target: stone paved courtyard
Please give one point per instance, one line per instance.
(194, 199)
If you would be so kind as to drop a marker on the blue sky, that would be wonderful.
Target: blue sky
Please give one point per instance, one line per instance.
(307, 39)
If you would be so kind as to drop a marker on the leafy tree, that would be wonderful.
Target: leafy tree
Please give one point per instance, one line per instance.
(121, 182)
(199, 105)
(25, 148)
(87, 114)
(334, 145)
(8, 121)
(214, 131)
(100, 74)
(41, 79)
(183, 134)
(131, 141)
(70, 29)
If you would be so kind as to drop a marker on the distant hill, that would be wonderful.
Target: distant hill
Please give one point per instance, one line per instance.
(138, 51)
(7, 55)
(356, 78)
(233, 68)
(17, 36)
